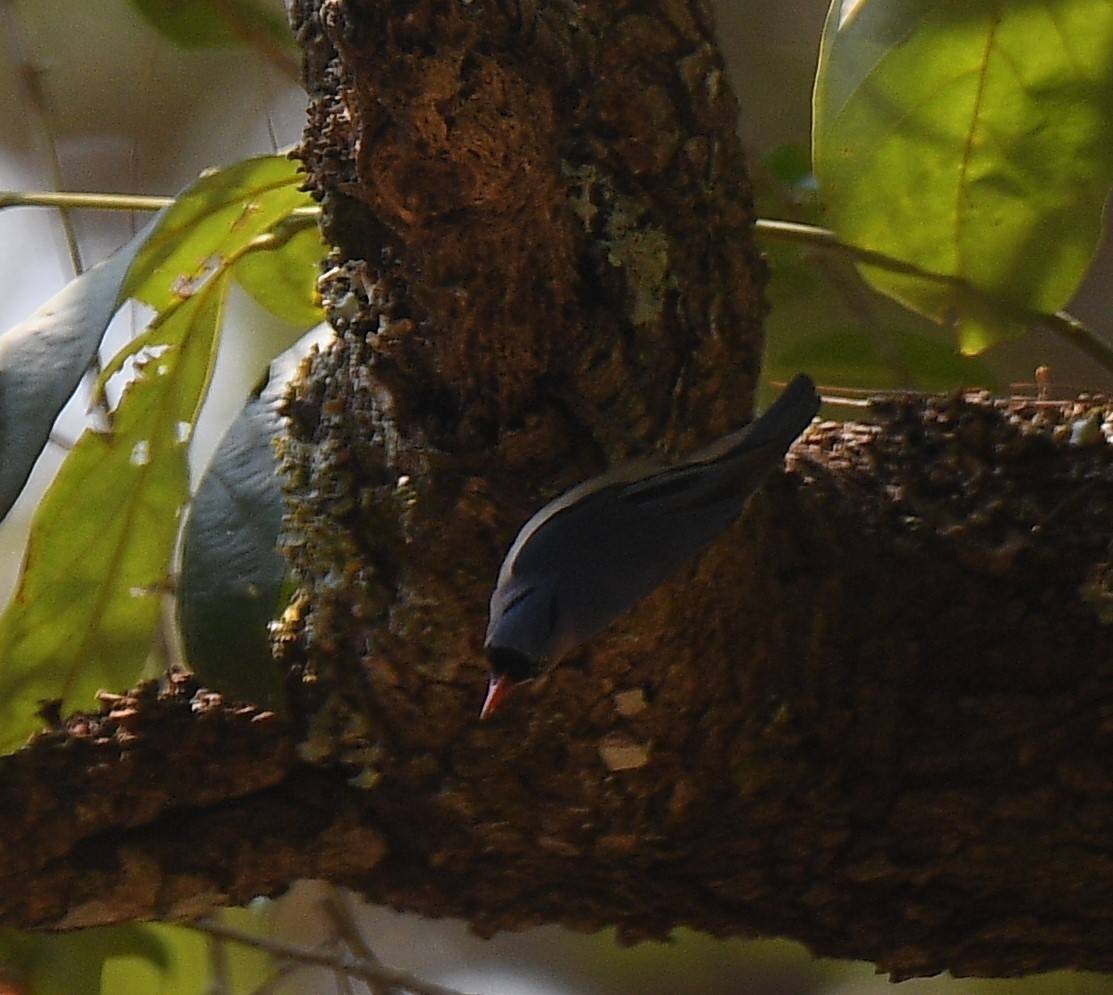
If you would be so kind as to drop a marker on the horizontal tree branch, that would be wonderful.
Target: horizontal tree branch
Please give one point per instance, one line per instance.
(901, 755)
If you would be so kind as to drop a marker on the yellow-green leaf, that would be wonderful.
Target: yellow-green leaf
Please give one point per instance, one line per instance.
(205, 24)
(211, 221)
(189, 961)
(89, 596)
(71, 963)
(283, 277)
(824, 321)
(971, 139)
(132, 959)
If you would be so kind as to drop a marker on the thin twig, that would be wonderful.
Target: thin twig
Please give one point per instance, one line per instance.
(105, 201)
(92, 201)
(1061, 323)
(219, 983)
(272, 133)
(823, 238)
(30, 76)
(354, 967)
(338, 907)
(1070, 329)
(282, 973)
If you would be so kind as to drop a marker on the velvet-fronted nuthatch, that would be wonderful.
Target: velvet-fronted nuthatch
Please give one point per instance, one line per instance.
(598, 549)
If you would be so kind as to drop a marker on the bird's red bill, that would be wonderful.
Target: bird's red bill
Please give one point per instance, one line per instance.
(497, 690)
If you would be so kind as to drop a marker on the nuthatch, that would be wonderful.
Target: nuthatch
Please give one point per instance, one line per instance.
(598, 549)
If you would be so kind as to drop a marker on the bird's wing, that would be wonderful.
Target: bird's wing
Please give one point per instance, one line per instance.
(698, 485)
(583, 497)
(652, 485)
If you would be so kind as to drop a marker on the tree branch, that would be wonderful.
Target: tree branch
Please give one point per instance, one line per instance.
(884, 759)
(369, 971)
(873, 717)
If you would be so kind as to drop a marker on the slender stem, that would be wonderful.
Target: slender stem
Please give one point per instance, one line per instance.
(338, 907)
(218, 968)
(1067, 327)
(825, 239)
(1071, 330)
(278, 978)
(105, 201)
(339, 910)
(354, 967)
(31, 76)
(93, 201)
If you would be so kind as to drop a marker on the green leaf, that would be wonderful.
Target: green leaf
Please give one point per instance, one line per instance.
(791, 166)
(825, 321)
(145, 340)
(851, 358)
(131, 959)
(209, 24)
(232, 573)
(89, 595)
(72, 963)
(43, 359)
(283, 277)
(212, 220)
(971, 139)
(190, 961)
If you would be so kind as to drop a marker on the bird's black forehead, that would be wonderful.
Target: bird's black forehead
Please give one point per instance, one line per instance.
(512, 663)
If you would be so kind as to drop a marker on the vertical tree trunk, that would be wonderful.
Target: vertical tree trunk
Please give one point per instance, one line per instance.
(544, 263)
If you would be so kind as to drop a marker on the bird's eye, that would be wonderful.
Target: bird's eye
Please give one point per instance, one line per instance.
(511, 663)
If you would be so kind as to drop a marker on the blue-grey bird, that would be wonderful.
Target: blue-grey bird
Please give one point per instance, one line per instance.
(598, 549)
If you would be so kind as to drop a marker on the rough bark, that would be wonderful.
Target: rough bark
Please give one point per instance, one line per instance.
(875, 717)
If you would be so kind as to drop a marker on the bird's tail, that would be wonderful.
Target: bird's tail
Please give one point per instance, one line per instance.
(776, 428)
(730, 469)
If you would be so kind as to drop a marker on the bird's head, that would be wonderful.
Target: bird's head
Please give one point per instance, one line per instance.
(509, 668)
(519, 640)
